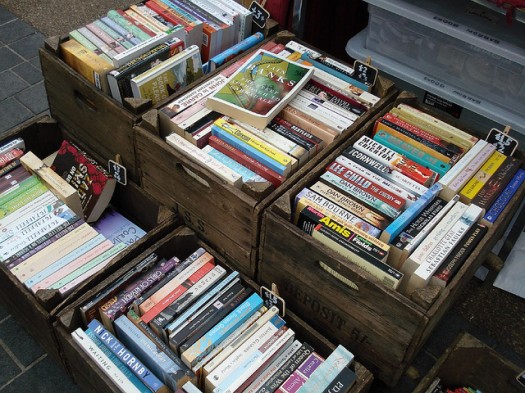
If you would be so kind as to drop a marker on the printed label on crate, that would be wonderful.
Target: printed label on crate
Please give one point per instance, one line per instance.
(446, 106)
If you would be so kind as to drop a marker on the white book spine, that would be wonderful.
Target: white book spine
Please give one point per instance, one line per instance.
(409, 197)
(97, 42)
(430, 264)
(17, 143)
(462, 163)
(190, 121)
(325, 115)
(209, 162)
(24, 212)
(328, 105)
(245, 18)
(103, 361)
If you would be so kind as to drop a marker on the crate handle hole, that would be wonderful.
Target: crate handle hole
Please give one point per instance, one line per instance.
(83, 101)
(192, 174)
(334, 273)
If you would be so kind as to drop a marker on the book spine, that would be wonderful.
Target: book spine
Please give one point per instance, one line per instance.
(89, 310)
(385, 171)
(359, 193)
(384, 273)
(467, 172)
(450, 266)
(342, 382)
(474, 185)
(497, 182)
(120, 30)
(9, 167)
(173, 374)
(153, 17)
(279, 160)
(302, 133)
(129, 359)
(353, 206)
(419, 156)
(203, 302)
(395, 161)
(105, 48)
(100, 259)
(337, 110)
(309, 123)
(287, 133)
(114, 359)
(175, 308)
(118, 304)
(17, 143)
(336, 98)
(247, 175)
(328, 370)
(103, 361)
(337, 212)
(301, 375)
(151, 25)
(316, 110)
(105, 37)
(394, 188)
(247, 161)
(129, 26)
(219, 332)
(501, 202)
(19, 189)
(77, 36)
(10, 156)
(242, 46)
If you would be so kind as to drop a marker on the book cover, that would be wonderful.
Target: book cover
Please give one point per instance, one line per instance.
(117, 228)
(93, 183)
(169, 76)
(260, 88)
(503, 199)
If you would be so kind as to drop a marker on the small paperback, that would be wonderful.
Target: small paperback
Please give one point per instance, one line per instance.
(260, 89)
(93, 183)
(169, 76)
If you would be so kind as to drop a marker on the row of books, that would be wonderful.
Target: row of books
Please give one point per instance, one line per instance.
(189, 325)
(265, 116)
(161, 42)
(45, 243)
(411, 201)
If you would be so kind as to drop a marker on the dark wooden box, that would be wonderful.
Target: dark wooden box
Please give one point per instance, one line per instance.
(385, 328)
(469, 362)
(181, 242)
(227, 217)
(37, 313)
(97, 120)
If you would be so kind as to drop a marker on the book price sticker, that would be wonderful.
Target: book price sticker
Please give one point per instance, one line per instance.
(505, 144)
(365, 73)
(271, 298)
(260, 15)
(118, 171)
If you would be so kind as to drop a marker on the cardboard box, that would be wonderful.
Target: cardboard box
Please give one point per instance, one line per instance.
(42, 136)
(385, 328)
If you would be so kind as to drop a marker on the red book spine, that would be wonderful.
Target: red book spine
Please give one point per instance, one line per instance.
(136, 23)
(167, 13)
(10, 156)
(337, 94)
(243, 159)
(367, 185)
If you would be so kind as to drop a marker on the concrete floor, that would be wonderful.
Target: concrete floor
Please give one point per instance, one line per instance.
(492, 315)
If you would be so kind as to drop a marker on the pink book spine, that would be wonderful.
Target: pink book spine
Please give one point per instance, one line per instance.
(66, 289)
(472, 168)
(106, 38)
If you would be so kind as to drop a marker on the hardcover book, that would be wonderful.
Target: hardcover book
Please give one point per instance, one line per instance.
(93, 183)
(260, 88)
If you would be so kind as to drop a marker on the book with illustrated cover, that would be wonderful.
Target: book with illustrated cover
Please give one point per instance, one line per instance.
(169, 76)
(93, 183)
(260, 89)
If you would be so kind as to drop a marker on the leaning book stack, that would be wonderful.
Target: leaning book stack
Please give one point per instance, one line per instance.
(395, 219)
(187, 323)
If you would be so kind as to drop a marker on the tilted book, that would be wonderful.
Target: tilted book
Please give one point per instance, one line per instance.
(93, 183)
(260, 89)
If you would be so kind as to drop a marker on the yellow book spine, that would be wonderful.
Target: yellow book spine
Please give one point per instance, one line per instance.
(475, 184)
(255, 142)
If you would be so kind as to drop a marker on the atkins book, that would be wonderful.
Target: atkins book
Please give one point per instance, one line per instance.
(260, 88)
(93, 183)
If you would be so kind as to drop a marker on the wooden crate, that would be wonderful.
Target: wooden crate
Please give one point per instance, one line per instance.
(181, 242)
(98, 121)
(385, 328)
(228, 217)
(469, 362)
(37, 313)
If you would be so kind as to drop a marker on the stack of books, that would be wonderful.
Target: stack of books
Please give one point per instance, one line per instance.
(265, 116)
(409, 202)
(46, 241)
(152, 49)
(191, 326)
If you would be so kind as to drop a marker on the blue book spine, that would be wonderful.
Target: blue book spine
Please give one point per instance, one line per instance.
(62, 262)
(128, 358)
(410, 213)
(412, 152)
(223, 329)
(173, 374)
(499, 204)
(228, 54)
(246, 174)
(122, 31)
(114, 358)
(202, 301)
(335, 73)
(246, 149)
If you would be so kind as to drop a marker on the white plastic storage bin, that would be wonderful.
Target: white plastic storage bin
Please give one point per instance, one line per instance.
(459, 41)
(475, 111)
